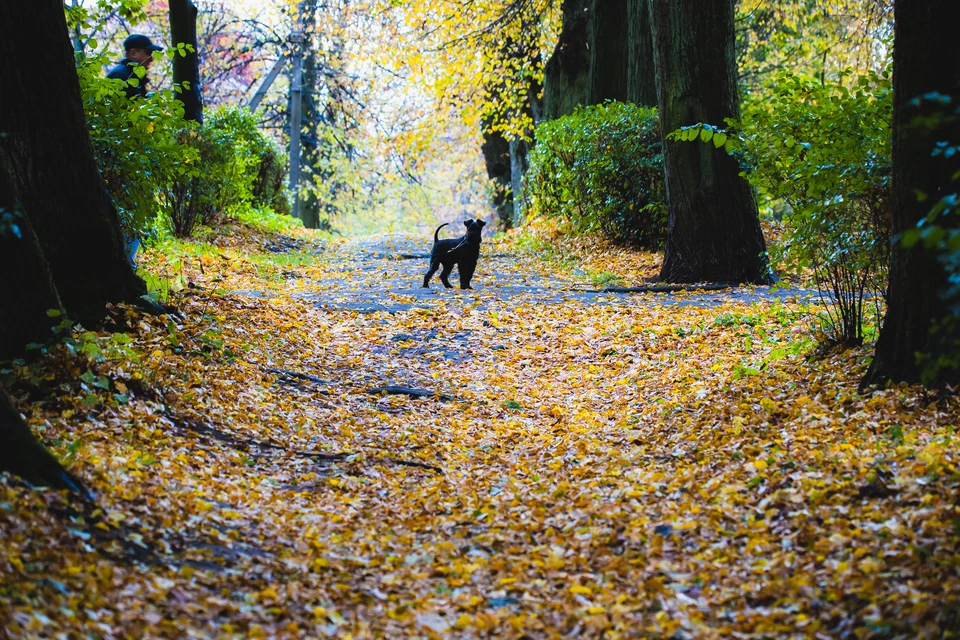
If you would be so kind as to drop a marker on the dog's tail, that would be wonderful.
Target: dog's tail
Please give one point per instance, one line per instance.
(436, 234)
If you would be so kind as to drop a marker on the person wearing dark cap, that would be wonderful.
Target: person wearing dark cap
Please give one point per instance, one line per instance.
(139, 51)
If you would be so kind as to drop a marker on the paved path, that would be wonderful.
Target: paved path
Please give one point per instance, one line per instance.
(385, 273)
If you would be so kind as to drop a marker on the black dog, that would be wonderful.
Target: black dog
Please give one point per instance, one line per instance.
(462, 251)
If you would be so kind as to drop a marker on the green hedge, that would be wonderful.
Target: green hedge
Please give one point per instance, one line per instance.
(601, 169)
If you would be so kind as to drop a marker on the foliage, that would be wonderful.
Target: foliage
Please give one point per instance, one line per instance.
(137, 143)
(267, 219)
(153, 162)
(601, 168)
(240, 164)
(820, 38)
(822, 149)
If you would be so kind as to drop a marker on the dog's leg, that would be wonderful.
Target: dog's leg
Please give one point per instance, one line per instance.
(447, 269)
(434, 265)
(467, 267)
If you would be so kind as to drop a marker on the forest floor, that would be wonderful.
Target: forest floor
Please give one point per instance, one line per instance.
(546, 461)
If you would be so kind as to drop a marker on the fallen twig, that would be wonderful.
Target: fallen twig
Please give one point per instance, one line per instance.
(300, 376)
(661, 288)
(406, 391)
(243, 444)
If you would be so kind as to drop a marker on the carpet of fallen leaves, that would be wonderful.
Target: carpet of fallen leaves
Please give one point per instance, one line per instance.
(628, 470)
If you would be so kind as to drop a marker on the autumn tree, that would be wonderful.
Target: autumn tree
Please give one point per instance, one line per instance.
(920, 339)
(186, 65)
(713, 231)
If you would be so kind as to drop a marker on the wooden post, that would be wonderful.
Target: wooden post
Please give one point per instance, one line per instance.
(296, 40)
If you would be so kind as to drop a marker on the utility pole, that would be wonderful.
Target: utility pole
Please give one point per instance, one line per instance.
(296, 42)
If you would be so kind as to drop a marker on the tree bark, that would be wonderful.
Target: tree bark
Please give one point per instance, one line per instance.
(605, 52)
(310, 118)
(609, 51)
(27, 290)
(567, 72)
(641, 76)
(48, 152)
(918, 329)
(22, 454)
(518, 168)
(186, 69)
(496, 155)
(713, 229)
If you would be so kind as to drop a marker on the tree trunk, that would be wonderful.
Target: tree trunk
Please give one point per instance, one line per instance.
(186, 69)
(48, 152)
(27, 291)
(496, 154)
(518, 168)
(310, 119)
(24, 456)
(926, 58)
(609, 51)
(641, 77)
(713, 231)
(567, 73)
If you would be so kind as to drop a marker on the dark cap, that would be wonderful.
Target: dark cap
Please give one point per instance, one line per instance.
(137, 41)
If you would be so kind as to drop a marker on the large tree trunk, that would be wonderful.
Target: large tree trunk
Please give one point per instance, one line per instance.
(609, 51)
(48, 151)
(604, 52)
(27, 290)
(22, 455)
(496, 154)
(713, 231)
(641, 76)
(926, 58)
(567, 72)
(186, 69)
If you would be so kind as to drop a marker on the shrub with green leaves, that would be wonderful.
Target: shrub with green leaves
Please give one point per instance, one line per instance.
(240, 162)
(136, 143)
(153, 162)
(601, 169)
(821, 151)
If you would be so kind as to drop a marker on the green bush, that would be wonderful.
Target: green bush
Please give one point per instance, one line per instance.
(136, 143)
(240, 163)
(153, 162)
(601, 169)
(821, 153)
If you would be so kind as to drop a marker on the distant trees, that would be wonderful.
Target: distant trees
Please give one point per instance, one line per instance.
(920, 338)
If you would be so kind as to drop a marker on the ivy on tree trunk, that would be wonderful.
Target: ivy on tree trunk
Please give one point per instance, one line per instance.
(920, 339)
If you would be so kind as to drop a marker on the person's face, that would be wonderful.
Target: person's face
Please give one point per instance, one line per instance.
(140, 56)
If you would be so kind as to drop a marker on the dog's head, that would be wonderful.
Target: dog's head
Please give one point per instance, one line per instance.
(474, 228)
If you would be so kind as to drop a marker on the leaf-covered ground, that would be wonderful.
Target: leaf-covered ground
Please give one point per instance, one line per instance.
(621, 466)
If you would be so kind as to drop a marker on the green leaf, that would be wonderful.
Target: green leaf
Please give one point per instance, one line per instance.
(910, 237)
(53, 313)
(719, 138)
(706, 134)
